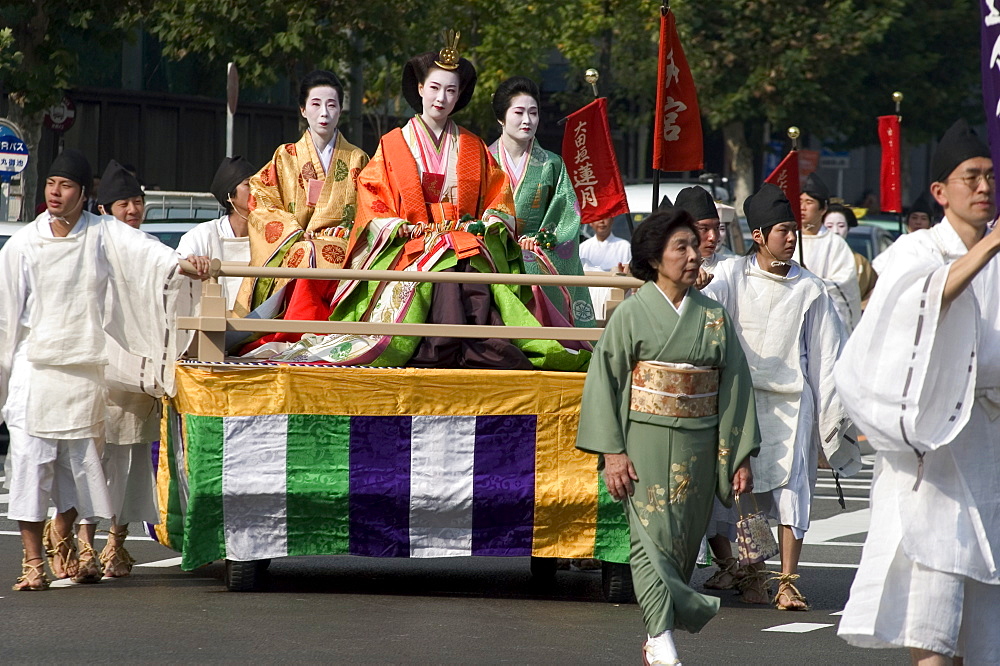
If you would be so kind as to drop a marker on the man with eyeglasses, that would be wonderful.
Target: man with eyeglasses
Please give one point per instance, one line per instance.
(921, 378)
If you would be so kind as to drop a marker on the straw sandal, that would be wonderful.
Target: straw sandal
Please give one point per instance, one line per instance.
(755, 587)
(117, 561)
(727, 577)
(61, 553)
(90, 566)
(29, 571)
(786, 588)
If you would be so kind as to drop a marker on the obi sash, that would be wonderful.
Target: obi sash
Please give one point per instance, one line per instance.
(675, 389)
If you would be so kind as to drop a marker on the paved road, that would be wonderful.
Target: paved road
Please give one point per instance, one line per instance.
(447, 611)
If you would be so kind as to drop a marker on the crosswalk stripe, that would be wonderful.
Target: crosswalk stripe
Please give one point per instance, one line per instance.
(798, 627)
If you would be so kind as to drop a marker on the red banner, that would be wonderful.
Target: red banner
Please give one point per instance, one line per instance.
(786, 176)
(677, 140)
(891, 194)
(591, 163)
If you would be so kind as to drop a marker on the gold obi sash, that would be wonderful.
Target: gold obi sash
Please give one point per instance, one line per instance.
(675, 389)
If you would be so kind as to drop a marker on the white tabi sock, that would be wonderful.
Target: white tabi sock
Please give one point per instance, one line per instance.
(661, 649)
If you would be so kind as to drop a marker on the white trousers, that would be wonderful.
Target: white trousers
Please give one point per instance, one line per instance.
(128, 469)
(66, 472)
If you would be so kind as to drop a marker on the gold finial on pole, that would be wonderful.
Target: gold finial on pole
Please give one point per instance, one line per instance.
(897, 97)
(591, 76)
(793, 134)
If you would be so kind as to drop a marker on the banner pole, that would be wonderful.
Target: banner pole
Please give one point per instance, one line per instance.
(793, 134)
(664, 8)
(897, 97)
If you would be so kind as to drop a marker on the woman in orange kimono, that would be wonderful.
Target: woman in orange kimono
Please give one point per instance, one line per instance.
(433, 198)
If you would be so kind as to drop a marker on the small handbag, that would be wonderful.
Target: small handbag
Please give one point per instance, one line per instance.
(754, 539)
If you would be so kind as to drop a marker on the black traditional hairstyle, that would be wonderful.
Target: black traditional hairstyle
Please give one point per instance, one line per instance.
(315, 79)
(508, 90)
(852, 219)
(417, 68)
(651, 237)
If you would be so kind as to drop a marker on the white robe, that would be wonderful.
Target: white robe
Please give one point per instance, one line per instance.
(54, 299)
(830, 258)
(919, 378)
(215, 239)
(603, 255)
(791, 336)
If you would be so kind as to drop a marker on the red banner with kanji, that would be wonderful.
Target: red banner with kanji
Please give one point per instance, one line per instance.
(677, 140)
(786, 176)
(891, 194)
(591, 163)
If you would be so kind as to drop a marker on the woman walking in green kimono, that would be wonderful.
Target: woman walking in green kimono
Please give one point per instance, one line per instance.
(548, 215)
(682, 428)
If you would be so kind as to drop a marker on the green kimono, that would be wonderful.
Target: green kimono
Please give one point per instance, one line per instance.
(545, 199)
(682, 463)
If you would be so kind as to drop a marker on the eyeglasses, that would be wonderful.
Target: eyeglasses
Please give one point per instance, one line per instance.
(972, 180)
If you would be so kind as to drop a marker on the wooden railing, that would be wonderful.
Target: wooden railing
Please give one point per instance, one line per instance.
(213, 320)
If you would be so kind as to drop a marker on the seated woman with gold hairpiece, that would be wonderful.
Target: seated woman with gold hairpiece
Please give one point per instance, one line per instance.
(433, 199)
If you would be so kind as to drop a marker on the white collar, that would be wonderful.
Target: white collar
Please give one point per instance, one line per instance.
(679, 309)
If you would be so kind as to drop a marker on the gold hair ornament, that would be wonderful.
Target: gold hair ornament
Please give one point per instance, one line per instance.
(448, 56)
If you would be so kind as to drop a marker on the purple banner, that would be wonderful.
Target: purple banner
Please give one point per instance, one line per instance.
(990, 54)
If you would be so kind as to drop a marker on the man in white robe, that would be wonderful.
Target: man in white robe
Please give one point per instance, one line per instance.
(225, 238)
(133, 414)
(921, 378)
(827, 255)
(791, 336)
(604, 252)
(56, 273)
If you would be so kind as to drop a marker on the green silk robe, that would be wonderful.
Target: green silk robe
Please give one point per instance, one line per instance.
(545, 199)
(682, 463)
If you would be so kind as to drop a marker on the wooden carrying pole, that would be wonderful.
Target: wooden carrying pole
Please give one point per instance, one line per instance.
(212, 323)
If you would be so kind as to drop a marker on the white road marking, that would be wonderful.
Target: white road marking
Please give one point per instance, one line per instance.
(162, 564)
(846, 498)
(838, 525)
(852, 544)
(798, 627)
(840, 612)
(818, 565)
(99, 537)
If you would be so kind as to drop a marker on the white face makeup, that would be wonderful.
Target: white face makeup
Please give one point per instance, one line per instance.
(521, 120)
(322, 111)
(836, 222)
(439, 93)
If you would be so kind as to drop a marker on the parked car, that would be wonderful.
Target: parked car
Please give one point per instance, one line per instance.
(169, 233)
(640, 200)
(7, 229)
(869, 240)
(181, 206)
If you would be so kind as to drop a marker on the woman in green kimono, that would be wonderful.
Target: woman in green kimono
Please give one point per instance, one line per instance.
(548, 215)
(682, 427)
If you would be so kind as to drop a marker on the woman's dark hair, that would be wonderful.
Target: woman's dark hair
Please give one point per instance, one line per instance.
(315, 79)
(849, 216)
(650, 239)
(508, 90)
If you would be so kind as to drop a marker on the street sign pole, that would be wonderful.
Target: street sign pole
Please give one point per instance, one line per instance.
(232, 96)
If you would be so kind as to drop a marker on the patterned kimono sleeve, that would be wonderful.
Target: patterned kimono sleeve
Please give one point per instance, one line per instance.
(272, 203)
(739, 436)
(496, 196)
(375, 198)
(606, 391)
(562, 215)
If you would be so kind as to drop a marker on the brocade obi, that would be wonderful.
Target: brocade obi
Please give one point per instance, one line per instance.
(675, 389)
